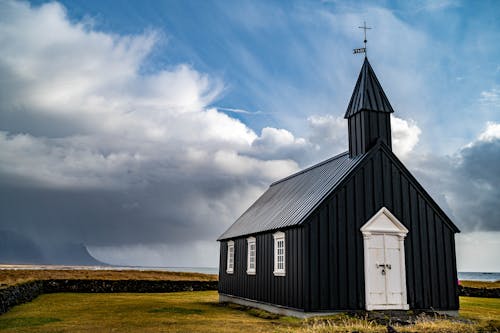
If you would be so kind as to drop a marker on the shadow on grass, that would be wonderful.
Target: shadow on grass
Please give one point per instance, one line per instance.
(177, 310)
(260, 313)
(26, 322)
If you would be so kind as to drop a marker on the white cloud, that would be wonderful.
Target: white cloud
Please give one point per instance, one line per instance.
(279, 143)
(79, 115)
(492, 132)
(405, 134)
(329, 131)
(233, 110)
(437, 5)
(121, 119)
(491, 97)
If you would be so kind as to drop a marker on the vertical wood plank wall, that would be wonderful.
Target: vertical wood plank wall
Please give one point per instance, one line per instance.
(365, 128)
(324, 256)
(264, 286)
(335, 243)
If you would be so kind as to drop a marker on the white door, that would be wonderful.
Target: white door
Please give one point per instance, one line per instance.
(385, 278)
(384, 285)
(376, 284)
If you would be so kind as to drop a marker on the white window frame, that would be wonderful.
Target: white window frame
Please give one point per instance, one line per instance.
(230, 257)
(279, 238)
(251, 242)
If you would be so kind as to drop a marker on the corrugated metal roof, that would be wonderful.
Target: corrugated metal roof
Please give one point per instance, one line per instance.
(289, 201)
(368, 93)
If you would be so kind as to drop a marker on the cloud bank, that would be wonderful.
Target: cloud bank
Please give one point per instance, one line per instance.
(137, 164)
(467, 181)
(93, 150)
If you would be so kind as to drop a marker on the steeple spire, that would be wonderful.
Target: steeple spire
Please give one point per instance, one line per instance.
(368, 113)
(368, 93)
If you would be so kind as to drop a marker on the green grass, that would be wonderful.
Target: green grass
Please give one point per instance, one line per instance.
(485, 310)
(177, 310)
(129, 312)
(200, 312)
(26, 322)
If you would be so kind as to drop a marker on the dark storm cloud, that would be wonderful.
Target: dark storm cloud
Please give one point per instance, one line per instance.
(95, 152)
(478, 179)
(162, 212)
(466, 185)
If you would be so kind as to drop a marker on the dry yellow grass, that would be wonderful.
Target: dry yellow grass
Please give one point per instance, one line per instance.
(10, 277)
(480, 284)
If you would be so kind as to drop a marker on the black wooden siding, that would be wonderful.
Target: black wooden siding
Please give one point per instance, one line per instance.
(334, 264)
(264, 286)
(365, 128)
(325, 257)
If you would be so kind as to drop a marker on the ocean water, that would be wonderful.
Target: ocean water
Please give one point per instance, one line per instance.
(479, 276)
(205, 270)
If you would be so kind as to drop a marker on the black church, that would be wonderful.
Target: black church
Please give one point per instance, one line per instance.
(354, 232)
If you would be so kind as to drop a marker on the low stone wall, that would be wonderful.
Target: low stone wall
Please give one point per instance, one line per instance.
(26, 292)
(479, 292)
(19, 294)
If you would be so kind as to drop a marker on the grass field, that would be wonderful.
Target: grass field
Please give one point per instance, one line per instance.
(200, 312)
(10, 277)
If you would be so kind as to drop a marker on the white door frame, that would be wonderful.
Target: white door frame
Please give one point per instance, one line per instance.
(388, 226)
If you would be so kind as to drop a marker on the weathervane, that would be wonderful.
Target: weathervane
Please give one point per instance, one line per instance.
(362, 49)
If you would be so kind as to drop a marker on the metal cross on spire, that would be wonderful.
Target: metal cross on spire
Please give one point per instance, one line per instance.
(363, 49)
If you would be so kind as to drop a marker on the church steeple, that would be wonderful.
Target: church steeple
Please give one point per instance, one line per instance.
(368, 113)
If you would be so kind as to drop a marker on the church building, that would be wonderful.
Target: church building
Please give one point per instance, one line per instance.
(354, 232)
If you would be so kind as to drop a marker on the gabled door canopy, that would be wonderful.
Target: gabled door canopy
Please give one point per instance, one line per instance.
(384, 222)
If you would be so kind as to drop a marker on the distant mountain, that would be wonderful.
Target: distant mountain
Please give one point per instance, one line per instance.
(71, 254)
(16, 248)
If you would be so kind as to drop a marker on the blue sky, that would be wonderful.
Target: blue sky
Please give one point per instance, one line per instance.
(254, 47)
(126, 100)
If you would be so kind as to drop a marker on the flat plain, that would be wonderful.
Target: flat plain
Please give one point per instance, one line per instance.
(10, 277)
(200, 312)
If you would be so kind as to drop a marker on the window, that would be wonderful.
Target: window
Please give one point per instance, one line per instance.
(279, 254)
(230, 257)
(251, 255)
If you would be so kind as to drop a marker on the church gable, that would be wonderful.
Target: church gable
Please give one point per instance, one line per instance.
(398, 181)
(382, 180)
(334, 239)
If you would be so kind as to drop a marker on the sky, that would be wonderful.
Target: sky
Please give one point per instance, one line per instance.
(141, 130)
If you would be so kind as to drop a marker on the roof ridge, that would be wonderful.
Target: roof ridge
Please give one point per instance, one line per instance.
(310, 168)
